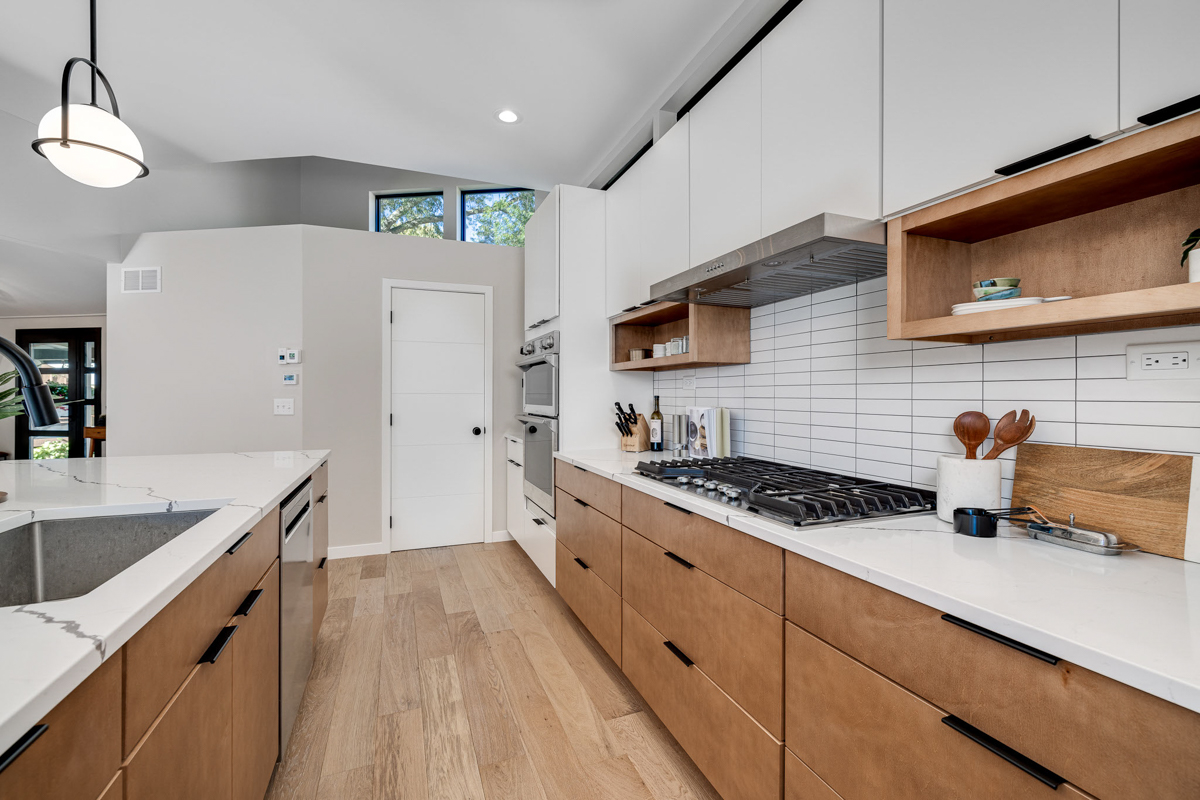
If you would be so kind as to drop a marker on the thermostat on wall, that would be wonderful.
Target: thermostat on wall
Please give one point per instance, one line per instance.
(293, 355)
(283, 353)
(291, 378)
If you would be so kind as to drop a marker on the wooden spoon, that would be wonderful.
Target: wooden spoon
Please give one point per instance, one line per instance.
(971, 428)
(1011, 431)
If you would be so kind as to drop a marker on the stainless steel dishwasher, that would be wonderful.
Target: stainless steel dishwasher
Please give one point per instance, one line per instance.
(295, 606)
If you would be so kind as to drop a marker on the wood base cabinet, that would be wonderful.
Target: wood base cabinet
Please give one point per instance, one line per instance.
(591, 535)
(593, 601)
(255, 693)
(735, 753)
(801, 783)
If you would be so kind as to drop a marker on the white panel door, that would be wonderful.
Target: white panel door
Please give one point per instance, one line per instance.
(541, 262)
(973, 86)
(1158, 55)
(624, 284)
(821, 120)
(726, 163)
(439, 399)
(665, 199)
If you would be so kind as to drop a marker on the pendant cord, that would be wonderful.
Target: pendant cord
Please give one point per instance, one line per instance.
(93, 52)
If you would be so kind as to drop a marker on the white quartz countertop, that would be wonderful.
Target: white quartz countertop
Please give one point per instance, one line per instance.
(1134, 618)
(50, 648)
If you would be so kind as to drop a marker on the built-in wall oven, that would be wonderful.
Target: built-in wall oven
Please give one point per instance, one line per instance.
(539, 384)
(541, 440)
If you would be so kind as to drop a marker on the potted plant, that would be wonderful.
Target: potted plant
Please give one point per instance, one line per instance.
(11, 402)
(1191, 256)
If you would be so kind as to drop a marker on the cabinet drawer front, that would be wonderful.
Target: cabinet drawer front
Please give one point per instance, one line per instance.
(186, 754)
(321, 530)
(515, 451)
(600, 493)
(590, 535)
(739, 758)
(320, 598)
(868, 738)
(80, 748)
(597, 606)
(734, 640)
(254, 653)
(159, 657)
(752, 566)
(1067, 718)
(801, 783)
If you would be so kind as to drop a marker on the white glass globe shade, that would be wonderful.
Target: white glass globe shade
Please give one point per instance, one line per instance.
(91, 165)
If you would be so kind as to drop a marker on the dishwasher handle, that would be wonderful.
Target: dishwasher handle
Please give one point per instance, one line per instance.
(300, 519)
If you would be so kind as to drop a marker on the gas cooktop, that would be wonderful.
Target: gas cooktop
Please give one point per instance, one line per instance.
(796, 496)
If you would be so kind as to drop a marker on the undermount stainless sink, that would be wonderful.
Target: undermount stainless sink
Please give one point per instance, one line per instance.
(57, 559)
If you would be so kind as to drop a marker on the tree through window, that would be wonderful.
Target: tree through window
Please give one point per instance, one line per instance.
(415, 214)
(496, 216)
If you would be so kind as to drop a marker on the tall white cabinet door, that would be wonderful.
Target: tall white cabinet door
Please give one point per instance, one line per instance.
(666, 233)
(1158, 55)
(973, 86)
(726, 163)
(541, 262)
(820, 116)
(624, 286)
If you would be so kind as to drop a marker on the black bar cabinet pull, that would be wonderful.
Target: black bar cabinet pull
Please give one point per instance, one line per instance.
(1170, 112)
(678, 560)
(537, 521)
(248, 604)
(514, 463)
(577, 500)
(580, 562)
(1026, 765)
(21, 745)
(1046, 156)
(687, 662)
(1004, 640)
(218, 645)
(237, 545)
(677, 508)
(322, 564)
(323, 497)
(581, 469)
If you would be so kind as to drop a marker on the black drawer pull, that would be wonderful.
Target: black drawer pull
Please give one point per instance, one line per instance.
(678, 560)
(1170, 112)
(218, 645)
(248, 604)
(577, 500)
(322, 564)
(1026, 765)
(677, 508)
(580, 562)
(1004, 640)
(21, 745)
(515, 464)
(537, 521)
(1046, 156)
(581, 469)
(238, 544)
(687, 662)
(323, 498)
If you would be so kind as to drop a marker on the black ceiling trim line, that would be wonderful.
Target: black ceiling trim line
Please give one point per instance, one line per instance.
(628, 164)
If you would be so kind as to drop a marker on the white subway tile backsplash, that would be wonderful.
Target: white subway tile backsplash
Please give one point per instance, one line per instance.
(826, 388)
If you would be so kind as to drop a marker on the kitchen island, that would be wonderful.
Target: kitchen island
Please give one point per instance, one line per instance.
(51, 648)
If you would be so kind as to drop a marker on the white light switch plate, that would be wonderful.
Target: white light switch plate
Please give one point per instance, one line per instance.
(1168, 361)
(285, 407)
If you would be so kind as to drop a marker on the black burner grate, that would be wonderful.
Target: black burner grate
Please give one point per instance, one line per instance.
(796, 495)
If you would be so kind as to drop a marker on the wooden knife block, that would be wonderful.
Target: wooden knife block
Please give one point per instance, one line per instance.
(639, 442)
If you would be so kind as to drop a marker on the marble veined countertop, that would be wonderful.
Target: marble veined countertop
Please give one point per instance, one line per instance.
(1134, 618)
(47, 649)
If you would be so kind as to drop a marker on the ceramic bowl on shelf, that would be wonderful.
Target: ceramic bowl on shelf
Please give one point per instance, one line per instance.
(993, 282)
(987, 291)
(1005, 293)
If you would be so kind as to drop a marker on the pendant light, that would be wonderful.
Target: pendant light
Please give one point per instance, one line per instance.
(84, 141)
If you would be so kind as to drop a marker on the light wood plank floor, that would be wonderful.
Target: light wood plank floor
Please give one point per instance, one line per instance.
(459, 673)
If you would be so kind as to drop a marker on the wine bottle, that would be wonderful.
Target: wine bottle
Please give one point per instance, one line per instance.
(656, 431)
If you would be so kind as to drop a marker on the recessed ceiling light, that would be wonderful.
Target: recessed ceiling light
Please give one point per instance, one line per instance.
(509, 116)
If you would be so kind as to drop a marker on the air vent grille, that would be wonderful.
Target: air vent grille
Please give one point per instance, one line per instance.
(141, 279)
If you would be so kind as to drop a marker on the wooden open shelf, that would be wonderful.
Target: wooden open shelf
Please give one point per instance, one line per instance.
(1103, 226)
(716, 335)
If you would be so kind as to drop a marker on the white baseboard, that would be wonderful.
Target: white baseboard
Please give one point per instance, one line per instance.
(356, 550)
(505, 536)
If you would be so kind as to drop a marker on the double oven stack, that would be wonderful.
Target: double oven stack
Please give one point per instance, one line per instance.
(539, 415)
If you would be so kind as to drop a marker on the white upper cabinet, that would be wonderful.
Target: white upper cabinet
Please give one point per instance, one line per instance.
(1158, 55)
(726, 162)
(820, 113)
(541, 262)
(973, 86)
(625, 284)
(665, 205)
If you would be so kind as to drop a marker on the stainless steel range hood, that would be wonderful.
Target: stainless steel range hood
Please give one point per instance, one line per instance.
(824, 252)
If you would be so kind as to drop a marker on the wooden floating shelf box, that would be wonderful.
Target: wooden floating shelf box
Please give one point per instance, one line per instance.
(1103, 226)
(717, 336)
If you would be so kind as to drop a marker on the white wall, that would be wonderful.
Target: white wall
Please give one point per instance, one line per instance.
(8, 330)
(343, 389)
(192, 368)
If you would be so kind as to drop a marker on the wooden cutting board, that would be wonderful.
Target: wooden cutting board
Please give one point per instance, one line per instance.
(1145, 498)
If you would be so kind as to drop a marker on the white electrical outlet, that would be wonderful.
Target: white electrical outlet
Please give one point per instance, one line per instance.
(285, 407)
(293, 355)
(291, 378)
(688, 383)
(1165, 361)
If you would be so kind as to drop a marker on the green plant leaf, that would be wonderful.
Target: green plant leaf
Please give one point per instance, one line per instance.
(1189, 243)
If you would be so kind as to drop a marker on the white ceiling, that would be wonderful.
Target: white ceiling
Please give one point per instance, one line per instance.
(35, 282)
(398, 83)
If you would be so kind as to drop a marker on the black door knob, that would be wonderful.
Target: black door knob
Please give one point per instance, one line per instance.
(476, 430)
